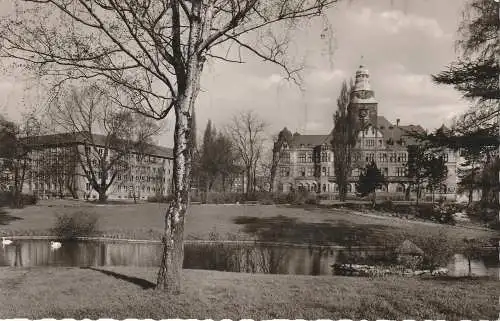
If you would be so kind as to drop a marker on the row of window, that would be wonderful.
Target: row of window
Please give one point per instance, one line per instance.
(138, 157)
(304, 171)
(306, 157)
(325, 171)
(141, 178)
(382, 157)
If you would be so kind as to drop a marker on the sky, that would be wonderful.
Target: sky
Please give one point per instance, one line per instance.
(401, 42)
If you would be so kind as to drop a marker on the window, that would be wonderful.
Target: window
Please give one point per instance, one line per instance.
(323, 171)
(370, 142)
(370, 157)
(310, 171)
(285, 171)
(302, 157)
(285, 157)
(324, 156)
(309, 157)
(87, 186)
(400, 171)
(302, 171)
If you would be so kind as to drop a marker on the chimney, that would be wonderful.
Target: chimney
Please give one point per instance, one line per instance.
(397, 122)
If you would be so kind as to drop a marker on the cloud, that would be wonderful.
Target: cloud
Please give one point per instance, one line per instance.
(396, 22)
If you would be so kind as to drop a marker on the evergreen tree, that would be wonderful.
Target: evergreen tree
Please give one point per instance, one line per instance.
(369, 180)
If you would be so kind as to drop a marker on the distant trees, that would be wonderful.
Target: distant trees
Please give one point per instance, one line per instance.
(15, 151)
(437, 173)
(217, 160)
(344, 139)
(247, 133)
(110, 136)
(425, 167)
(369, 181)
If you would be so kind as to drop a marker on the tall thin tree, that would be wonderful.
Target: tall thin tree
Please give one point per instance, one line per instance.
(344, 139)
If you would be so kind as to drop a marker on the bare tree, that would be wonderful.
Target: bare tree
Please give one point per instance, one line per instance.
(109, 135)
(247, 133)
(16, 147)
(155, 51)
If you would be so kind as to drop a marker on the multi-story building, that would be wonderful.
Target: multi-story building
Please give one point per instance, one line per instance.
(55, 170)
(306, 161)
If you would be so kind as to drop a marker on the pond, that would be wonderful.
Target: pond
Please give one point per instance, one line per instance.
(234, 257)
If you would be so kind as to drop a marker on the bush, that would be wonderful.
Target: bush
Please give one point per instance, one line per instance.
(160, 198)
(7, 199)
(77, 224)
(280, 198)
(440, 213)
(28, 199)
(438, 249)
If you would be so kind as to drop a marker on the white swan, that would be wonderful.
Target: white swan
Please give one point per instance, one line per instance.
(6, 242)
(55, 245)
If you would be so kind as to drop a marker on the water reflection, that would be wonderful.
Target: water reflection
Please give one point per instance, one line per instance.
(248, 258)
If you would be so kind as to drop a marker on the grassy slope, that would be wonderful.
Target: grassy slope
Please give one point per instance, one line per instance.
(84, 293)
(146, 221)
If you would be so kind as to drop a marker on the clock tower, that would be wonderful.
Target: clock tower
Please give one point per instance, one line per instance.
(363, 105)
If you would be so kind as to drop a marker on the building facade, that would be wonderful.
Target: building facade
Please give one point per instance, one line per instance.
(307, 161)
(55, 170)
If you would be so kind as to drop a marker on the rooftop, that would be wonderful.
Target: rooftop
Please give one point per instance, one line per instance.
(97, 139)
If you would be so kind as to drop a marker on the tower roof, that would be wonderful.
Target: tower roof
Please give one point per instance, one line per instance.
(362, 81)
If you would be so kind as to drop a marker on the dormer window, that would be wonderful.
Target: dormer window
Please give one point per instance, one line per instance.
(391, 127)
(382, 127)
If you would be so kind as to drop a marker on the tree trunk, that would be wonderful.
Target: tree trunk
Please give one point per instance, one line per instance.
(169, 275)
(102, 196)
(470, 267)
(249, 180)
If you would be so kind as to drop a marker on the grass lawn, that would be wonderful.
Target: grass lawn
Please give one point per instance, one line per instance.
(281, 223)
(121, 293)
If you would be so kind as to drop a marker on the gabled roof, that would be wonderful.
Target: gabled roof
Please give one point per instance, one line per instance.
(390, 131)
(310, 140)
(97, 139)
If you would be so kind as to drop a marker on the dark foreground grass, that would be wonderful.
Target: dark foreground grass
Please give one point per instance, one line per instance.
(121, 293)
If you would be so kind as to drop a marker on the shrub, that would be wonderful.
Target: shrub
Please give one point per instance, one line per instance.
(160, 198)
(311, 200)
(28, 199)
(77, 224)
(387, 206)
(7, 199)
(438, 249)
(280, 198)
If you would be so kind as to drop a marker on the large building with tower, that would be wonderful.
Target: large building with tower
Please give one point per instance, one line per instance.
(306, 161)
